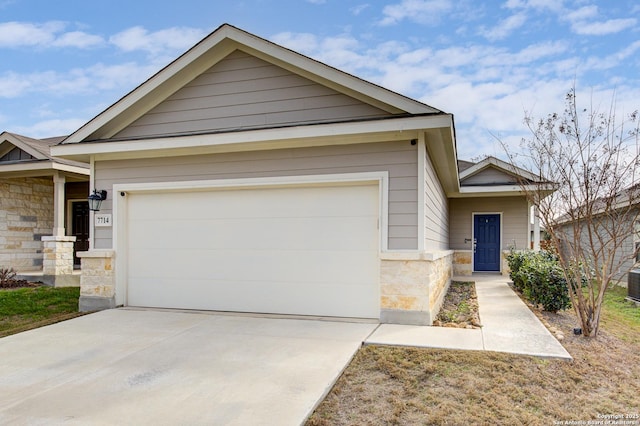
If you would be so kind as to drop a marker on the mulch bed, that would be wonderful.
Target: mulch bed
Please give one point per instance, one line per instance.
(460, 307)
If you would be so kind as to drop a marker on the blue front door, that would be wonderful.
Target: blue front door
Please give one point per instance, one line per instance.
(486, 229)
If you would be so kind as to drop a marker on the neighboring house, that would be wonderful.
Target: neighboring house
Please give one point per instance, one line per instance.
(43, 203)
(247, 177)
(614, 229)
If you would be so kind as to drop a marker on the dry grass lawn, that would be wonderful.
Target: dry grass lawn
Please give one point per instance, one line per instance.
(409, 386)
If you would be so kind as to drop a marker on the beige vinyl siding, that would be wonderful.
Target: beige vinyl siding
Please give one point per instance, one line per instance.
(489, 176)
(436, 221)
(623, 258)
(515, 218)
(244, 92)
(398, 158)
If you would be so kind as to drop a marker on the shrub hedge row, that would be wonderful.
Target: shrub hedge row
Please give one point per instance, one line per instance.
(538, 276)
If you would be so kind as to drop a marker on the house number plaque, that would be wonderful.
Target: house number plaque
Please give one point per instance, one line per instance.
(103, 220)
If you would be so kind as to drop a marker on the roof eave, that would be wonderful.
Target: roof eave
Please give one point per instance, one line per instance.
(401, 128)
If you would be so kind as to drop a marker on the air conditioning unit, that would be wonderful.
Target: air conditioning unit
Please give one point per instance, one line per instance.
(633, 285)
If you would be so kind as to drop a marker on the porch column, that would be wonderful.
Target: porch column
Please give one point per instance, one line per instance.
(58, 204)
(57, 262)
(536, 230)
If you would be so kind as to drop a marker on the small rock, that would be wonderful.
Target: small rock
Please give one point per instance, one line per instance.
(476, 323)
(560, 336)
(451, 325)
(437, 323)
(469, 326)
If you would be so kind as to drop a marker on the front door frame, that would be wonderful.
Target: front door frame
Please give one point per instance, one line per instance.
(473, 233)
(69, 216)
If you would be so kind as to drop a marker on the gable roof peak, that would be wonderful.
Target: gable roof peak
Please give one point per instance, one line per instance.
(211, 50)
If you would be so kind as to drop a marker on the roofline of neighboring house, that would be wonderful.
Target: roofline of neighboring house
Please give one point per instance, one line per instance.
(42, 160)
(20, 142)
(40, 167)
(630, 203)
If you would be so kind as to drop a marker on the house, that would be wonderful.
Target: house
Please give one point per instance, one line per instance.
(247, 177)
(606, 231)
(490, 215)
(43, 209)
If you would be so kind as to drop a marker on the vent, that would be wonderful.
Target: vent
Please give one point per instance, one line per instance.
(633, 285)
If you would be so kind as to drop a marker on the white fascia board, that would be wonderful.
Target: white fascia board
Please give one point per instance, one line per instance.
(71, 169)
(391, 129)
(45, 167)
(492, 161)
(499, 190)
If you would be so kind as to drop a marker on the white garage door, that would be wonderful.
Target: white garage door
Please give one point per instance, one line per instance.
(288, 250)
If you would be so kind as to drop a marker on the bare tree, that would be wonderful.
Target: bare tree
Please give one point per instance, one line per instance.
(591, 157)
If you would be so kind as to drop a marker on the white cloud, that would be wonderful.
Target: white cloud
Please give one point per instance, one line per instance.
(553, 5)
(613, 60)
(170, 39)
(610, 26)
(17, 34)
(505, 27)
(97, 78)
(13, 85)
(420, 11)
(582, 13)
(357, 10)
(48, 128)
(78, 39)
(304, 43)
(48, 34)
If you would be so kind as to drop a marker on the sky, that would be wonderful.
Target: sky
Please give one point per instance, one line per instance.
(489, 63)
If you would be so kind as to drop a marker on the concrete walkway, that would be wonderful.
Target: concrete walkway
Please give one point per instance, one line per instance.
(508, 325)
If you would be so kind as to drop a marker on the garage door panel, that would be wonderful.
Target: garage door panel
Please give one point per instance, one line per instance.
(290, 266)
(310, 251)
(243, 296)
(261, 233)
(243, 203)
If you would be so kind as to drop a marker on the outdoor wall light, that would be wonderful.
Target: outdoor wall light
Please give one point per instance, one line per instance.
(96, 199)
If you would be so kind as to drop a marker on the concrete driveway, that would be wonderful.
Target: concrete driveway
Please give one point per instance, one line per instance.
(138, 367)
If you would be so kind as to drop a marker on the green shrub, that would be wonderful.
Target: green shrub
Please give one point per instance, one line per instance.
(515, 260)
(539, 277)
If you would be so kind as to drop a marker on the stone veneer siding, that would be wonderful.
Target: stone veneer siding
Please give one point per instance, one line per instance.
(412, 286)
(97, 282)
(26, 214)
(463, 263)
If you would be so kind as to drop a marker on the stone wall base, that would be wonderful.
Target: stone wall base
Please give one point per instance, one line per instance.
(97, 281)
(72, 280)
(57, 265)
(95, 303)
(397, 316)
(463, 263)
(413, 285)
